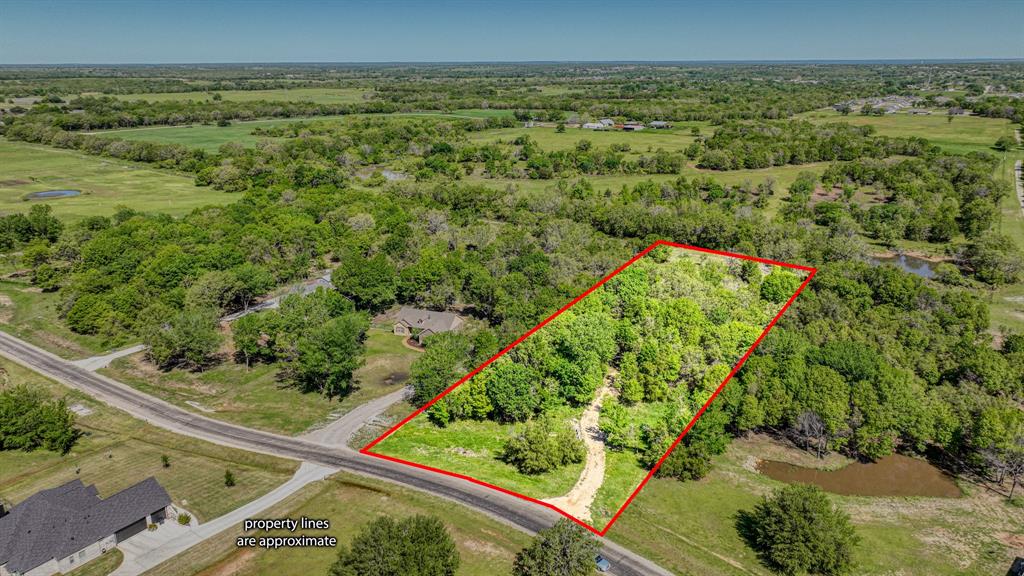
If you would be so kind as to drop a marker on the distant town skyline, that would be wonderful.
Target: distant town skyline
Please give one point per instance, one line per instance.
(218, 31)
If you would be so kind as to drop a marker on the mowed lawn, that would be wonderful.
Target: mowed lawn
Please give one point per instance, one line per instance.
(255, 397)
(316, 95)
(105, 183)
(486, 546)
(116, 451)
(472, 448)
(689, 527)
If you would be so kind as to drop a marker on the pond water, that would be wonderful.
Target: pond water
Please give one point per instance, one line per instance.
(53, 194)
(914, 265)
(894, 475)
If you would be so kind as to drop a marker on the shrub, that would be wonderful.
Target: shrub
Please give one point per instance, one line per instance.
(542, 446)
(184, 518)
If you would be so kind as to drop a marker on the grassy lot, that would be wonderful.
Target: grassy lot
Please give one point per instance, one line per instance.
(101, 566)
(317, 95)
(486, 546)
(255, 398)
(209, 137)
(961, 135)
(471, 448)
(105, 183)
(689, 527)
(34, 316)
(117, 451)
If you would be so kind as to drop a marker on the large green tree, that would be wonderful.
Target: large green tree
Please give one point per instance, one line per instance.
(565, 549)
(415, 546)
(797, 530)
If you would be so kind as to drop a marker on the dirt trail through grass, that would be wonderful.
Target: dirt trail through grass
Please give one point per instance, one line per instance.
(578, 501)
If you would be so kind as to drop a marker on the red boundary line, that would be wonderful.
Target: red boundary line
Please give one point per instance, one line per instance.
(811, 272)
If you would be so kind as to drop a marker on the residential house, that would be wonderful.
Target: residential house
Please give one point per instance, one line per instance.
(593, 126)
(659, 125)
(607, 122)
(419, 324)
(632, 127)
(57, 530)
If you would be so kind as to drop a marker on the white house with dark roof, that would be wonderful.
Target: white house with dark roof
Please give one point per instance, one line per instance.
(419, 324)
(59, 529)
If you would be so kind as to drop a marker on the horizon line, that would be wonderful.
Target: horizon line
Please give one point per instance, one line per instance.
(903, 61)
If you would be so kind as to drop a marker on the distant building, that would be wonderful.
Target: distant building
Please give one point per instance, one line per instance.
(659, 124)
(419, 324)
(593, 126)
(607, 122)
(57, 530)
(632, 127)
(919, 111)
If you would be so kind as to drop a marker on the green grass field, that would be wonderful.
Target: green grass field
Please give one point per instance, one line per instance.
(105, 183)
(961, 135)
(316, 95)
(486, 546)
(475, 453)
(35, 316)
(117, 451)
(255, 397)
(208, 137)
(689, 527)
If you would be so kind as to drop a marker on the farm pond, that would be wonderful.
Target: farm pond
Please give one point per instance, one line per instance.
(45, 194)
(894, 475)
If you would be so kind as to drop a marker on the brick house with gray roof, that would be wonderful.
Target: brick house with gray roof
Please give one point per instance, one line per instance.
(57, 530)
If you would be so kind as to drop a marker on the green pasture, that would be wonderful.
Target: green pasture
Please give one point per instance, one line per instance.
(106, 183)
(960, 135)
(315, 95)
(689, 527)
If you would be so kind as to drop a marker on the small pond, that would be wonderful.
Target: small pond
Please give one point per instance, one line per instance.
(894, 475)
(914, 265)
(53, 194)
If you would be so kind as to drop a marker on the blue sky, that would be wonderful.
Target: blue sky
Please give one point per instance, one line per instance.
(316, 31)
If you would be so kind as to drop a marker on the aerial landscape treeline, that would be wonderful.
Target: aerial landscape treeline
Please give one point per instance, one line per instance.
(476, 190)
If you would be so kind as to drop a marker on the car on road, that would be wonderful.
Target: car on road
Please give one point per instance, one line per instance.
(603, 565)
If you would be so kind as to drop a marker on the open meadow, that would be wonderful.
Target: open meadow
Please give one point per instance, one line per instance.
(315, 95)
(105, 183)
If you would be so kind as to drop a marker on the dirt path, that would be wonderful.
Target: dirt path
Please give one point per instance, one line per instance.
(578, 501)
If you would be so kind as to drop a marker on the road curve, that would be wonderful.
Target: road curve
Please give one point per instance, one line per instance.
(510, 510)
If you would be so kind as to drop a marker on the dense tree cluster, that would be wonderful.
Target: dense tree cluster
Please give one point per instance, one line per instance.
(414, 546)
(797, 530)
(30, 420)
(737, 145)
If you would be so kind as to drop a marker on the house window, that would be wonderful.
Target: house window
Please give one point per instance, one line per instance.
(81, 554)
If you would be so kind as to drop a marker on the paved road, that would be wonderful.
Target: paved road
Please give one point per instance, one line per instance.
(337, 433)
(513, 511)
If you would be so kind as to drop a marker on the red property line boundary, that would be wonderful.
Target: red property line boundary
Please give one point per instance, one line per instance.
(366, 450)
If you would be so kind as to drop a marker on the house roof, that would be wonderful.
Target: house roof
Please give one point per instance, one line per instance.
(60, 521)
(428, 319)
